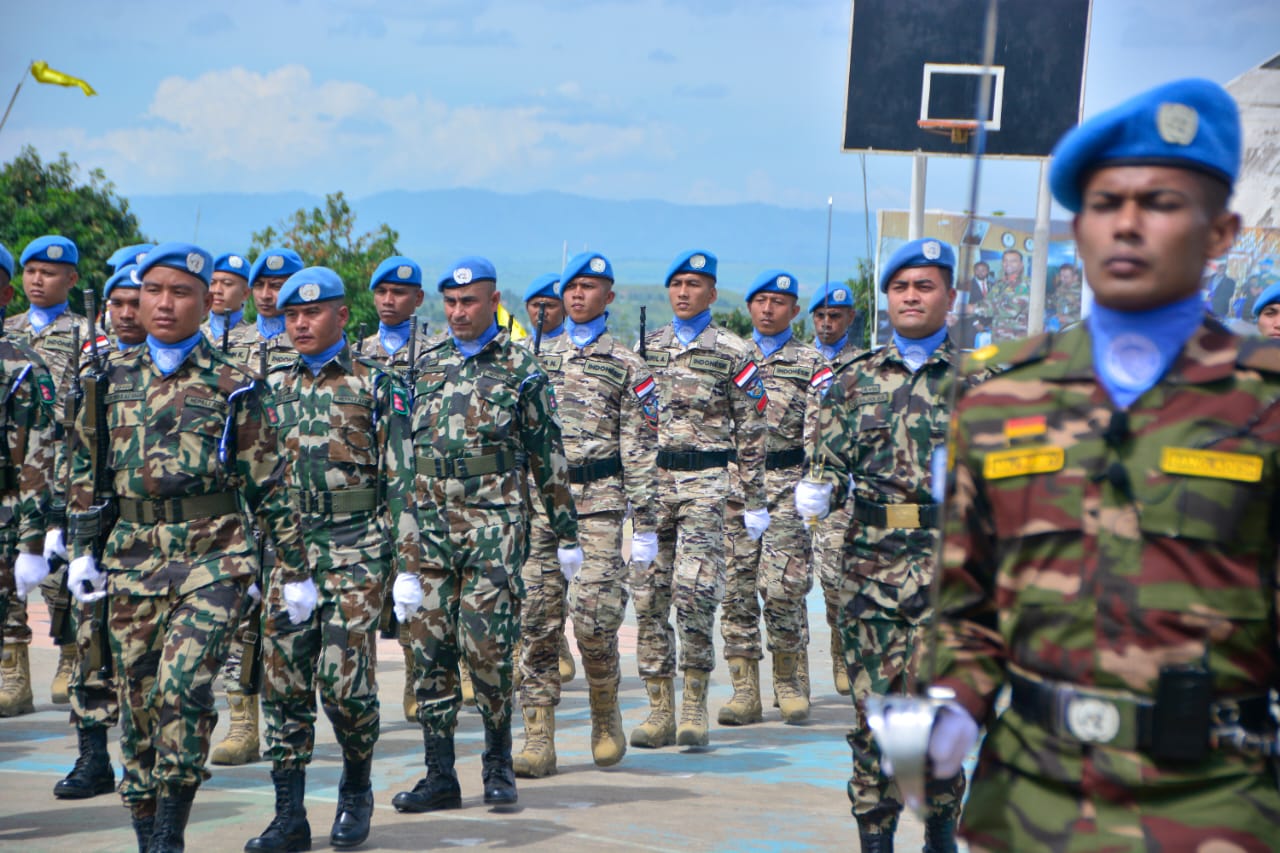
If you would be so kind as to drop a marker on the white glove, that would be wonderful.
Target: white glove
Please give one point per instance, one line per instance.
(570, 561)
(406, 593)
(644, 547)
(255, 593)
(54, 544)
(28, 571)
(81, 571)
(813, 499)
(756, 521)
(954, 735)
(300, 599)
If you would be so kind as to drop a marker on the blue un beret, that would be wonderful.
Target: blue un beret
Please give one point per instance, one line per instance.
(185, 257)
(834, 294)
(397, 269)
(53, 248)
(126, 276)
(313, 284)
(129, 255)
(774, 281)
(591, 264)
(6, 260)
(467, 270)
(232, 263)
(925, 252)
(547, 284)
(1269, 296)
(694, 260)
(275, 262)
(1188, 124)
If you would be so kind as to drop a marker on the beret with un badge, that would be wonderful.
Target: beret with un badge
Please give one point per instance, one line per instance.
(129, 255)
(53, 249)
(397, 269)
(925, 252)
(313, 284)
(694, 260)
(467, 270)
(275, 262)
(126, 277)
(184, 257)
(547, 284)
(6, 260)
(591, 264)
(834, 294)
(233, 264)
(774, 281)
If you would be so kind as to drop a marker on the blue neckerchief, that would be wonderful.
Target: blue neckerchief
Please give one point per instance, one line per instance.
(315, 363)
(217, 323)
(548, 334)
(585, 334)
(470, 348)
(41, 317)
(688, 330)
(169, 357)
(769, 344)
(393, 337)
(1133, 349)
(270, 327)
(829, 352)
(122, 346)
(918, 349)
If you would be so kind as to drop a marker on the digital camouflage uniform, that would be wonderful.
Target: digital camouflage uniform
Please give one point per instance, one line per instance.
(1082, 554)
(175, 587)
(880, 425)
(1008, 304)
(344, 434)
(473, 419)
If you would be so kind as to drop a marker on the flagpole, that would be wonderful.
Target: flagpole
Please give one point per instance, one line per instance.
(16, 89)
(826, 275)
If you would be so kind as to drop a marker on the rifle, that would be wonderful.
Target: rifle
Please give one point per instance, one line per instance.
(2, 312)
(388, 626)
(251, 656)
(226, 332)
(60, 604)
(360, 340)
(642, 349)
(537, 333)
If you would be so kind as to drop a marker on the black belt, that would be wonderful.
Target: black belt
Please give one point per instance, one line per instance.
(895, 515)
(177, 510)
(692, 460)
(340, 501)
(778, 459)
(598, 469)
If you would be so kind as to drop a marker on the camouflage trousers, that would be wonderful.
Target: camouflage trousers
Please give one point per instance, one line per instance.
(333, 651)
(775, 569)
(17, 631)
(828, 544)
(94, 700)
(597, 602)
(168, 650)
(471, 595)
(690, 570)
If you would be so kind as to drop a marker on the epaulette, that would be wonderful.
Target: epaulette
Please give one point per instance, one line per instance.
(1262, 354)
(1010, 354)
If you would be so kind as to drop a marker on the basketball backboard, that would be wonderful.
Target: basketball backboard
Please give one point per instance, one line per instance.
(916, 63)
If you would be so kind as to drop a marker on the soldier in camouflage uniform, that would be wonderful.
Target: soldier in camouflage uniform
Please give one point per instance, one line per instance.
(481, 404)
(121, 295)
(1009, 299)
(229, 287)
(188, 451)
(773, 571)
(881, 427)
(609, 408)
(713, 405)
(343, 425)
(1111, 546)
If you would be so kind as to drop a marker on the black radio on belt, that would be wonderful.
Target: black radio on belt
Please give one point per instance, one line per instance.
(1181, 717)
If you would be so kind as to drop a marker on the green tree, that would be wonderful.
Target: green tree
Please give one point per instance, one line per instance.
(38, 198)
(863, 288)
(326, 237)
(737, 321)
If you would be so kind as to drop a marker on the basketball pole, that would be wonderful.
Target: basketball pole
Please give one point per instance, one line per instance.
(919, 170)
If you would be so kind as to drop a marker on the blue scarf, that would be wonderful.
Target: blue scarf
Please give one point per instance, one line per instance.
(916, 351)
(41, 317)
(122, 346)
(169, 357)
(556, 332)
(394, 337)
(470, 348)
(315, 363)
(769, 344)
(584, 334)
(270, 327)
(688, 330)
(217, 323)
(829, 352)
(1133, 349)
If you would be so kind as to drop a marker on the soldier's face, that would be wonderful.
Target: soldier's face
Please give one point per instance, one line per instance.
(266, 289)
(553, 312)
(172, 304)
(1145, 234)
(469, 309)
(316, 327)
(46, 284)
(772, 313)
(1011, 265)
(586, 297)
(830, 324)
(919, 300)
(124, 304)
(395, 303)
(1269, 321)
(229, 291)
(690, 294)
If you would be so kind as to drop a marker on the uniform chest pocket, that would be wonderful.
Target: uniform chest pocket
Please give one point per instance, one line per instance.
(1220, 497)
(200, 426)
(491, 413)
(352, 429)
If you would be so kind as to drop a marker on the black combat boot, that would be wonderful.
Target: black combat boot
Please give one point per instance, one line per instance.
(499, 776)
(172, 812)
(439, 789)
(288, 830)
(355, 804)
(92, 774)
(940, 833)
(143, 817)
(875, 832)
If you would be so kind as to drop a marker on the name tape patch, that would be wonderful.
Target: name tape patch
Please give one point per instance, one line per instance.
(1021, 462)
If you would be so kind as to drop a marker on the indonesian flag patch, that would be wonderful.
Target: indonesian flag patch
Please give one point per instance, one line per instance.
(645, 388)
(748, 380)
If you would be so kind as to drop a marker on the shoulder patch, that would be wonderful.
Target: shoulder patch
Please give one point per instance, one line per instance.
(658, 358)
(616, 374)
(44, 387)
(717, 364)
(798, 372)
(822, 378)
(551, 361)
(749, 382)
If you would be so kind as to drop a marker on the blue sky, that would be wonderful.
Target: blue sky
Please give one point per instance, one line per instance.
(718, 101)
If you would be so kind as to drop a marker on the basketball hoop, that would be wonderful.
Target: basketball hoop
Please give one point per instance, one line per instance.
(957, 129)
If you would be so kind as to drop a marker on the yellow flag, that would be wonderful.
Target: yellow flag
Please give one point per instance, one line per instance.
(44, 74)
(506, 321)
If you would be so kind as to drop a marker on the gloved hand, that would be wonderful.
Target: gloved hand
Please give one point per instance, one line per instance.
(570, 561)
(756, 521)
(300, 599)
(813, 499)
(644, 547)
(84, 570)
(28, 571)
(954, 734)
(255, 593)
(54, 544)
(406, 593)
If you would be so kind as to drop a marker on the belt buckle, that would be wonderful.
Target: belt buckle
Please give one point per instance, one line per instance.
(460, 468)
(1089, 719)
(902, 515)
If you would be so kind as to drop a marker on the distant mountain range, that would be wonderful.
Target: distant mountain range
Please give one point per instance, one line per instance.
(526, 235)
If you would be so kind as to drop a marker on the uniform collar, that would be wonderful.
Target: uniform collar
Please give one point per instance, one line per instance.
(169, 357)
(769, 344)
(471, 348)
(41, 317)
(338, 352)
(687, 331)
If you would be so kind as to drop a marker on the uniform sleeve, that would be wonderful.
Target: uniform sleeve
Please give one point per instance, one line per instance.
(33, 443)
(398, 472)
(80, 494)
(747, 400)
(261, 467)
(834, 444)
(540, 437)
(638, 444)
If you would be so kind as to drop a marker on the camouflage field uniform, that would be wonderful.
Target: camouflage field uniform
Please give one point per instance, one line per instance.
(609, 412)
(1085, 555)
(179, 560)
(1008, 304)
(713, 405)
(344, 434)
(880, 424)
(473, 418)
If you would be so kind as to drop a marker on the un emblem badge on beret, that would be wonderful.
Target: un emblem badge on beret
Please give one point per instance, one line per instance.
(404, 271)
(462, 275)
(54, 252)
(784, 282)
(1177, 123)
(195, 263)
(555, 288)
(275, 262)
(597, 264)
(698, 261)
(838, 296)
(931, 250)
(137, 259)
(235, 262)
(309, 292)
